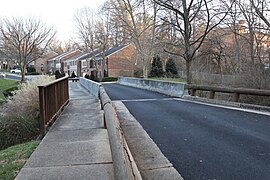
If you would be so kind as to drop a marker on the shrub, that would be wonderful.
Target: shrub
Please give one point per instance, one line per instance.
(109, 79)
(31, 70)
(92, 77)
(9, 92)
(26, 99)
(19, 119)
(138, 73)
(86, 76)
(170, 67)
(15, 129)
(156, 69)
(58, 74)
(32, 73)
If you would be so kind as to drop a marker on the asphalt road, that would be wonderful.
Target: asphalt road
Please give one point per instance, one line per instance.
(202, 142)
(17, 77)
(14, 77)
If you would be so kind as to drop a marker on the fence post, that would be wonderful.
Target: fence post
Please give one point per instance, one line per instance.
(236, 97)
(193, 92)
(42, 110)
(212, 95)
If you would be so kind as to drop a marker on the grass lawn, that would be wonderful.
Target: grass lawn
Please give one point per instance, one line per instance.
(4, 85)
(13, 158)
(168, 79)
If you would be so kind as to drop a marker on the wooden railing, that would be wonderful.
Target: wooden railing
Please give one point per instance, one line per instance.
(236, 91)
(52, 99)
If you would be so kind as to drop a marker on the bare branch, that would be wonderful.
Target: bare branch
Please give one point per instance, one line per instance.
(25, 40)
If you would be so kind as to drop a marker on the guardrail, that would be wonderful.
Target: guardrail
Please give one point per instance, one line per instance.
(236, 91)
(52, 99)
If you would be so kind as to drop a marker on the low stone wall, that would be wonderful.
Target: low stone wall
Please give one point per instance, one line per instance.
(165, 87)
(92, 86)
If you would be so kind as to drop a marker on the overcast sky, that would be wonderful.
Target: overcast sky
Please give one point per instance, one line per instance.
(58, 13)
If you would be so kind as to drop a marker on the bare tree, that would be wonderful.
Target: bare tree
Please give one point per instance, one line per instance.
(86, 23)
(56, 46)
(140, 25)
(247, 11)
(194, 20)
(253, 31)
(102, 38)
(261, 7)
(24, 40)
(117, 30)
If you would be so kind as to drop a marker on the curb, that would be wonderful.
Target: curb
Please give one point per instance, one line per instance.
(227, 103)
(212, 101)
(150, 160)
(124, 165)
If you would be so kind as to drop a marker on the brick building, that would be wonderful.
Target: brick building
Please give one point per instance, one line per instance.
(113, 62)
(43, 62)
(119, 61)
(57, 63)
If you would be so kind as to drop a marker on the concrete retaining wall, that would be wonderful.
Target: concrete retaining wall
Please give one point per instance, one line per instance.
(92, 86)
(165, 87)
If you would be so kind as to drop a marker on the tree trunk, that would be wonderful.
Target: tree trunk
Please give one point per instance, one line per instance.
(189, 75)
(23, 74)
(145, 71)
(251, 45)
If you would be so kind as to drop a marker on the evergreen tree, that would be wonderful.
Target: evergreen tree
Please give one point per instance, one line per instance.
(171, 69)
(156, 69)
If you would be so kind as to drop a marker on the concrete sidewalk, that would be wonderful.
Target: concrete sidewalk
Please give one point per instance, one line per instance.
(76, 147)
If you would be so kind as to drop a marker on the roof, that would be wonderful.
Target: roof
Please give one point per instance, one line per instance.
(110, 51)
(89, 55)
(59, 56)
(77, 56)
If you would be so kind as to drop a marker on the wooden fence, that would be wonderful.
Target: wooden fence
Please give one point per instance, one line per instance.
(239, 80)
(236, 91)
(52, 99)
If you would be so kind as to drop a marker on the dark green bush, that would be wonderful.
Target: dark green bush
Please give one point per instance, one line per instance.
(32, 73)
(15, 129)
(58, 74)
(138, 73)
(8, 92)
(92, 77)
(86, 76)
(156, 69)
(109, 79)
(171, 69)
(31, 70)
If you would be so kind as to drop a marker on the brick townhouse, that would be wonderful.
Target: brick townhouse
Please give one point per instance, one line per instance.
(115, 61)
(119, 61)
(57, 62)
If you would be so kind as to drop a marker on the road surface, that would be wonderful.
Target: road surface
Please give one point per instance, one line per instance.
(201, 141)
(18, 77)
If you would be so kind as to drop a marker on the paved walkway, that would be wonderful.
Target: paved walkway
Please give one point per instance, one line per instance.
(76, 147)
